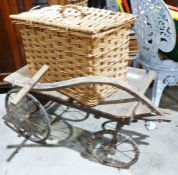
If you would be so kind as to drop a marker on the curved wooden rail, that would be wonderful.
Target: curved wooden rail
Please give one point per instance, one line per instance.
(22, 80)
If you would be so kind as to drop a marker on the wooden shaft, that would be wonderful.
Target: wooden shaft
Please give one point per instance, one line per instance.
(30, 85)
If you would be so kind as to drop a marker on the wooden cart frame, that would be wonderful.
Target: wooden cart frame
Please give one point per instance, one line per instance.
(129, 102)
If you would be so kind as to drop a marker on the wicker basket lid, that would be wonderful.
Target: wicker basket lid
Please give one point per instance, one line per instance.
(76, 18)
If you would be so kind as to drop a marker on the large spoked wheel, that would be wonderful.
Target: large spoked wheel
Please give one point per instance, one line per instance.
(28, 118)
(118, 151)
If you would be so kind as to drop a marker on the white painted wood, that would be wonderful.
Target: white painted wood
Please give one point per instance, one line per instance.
(29, 85)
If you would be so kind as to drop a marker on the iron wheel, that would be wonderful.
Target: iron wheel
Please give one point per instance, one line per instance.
(28, 118)
(118, 151)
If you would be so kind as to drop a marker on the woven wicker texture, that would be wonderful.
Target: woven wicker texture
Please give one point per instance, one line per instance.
(65, 2)
(77, 42)
(79, 2)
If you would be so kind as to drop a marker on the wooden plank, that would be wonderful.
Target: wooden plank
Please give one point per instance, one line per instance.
(134, 91)
(123, 102)
(29, 85)
(137, 78)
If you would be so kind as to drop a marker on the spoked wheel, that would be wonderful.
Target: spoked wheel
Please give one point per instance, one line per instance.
(28, 118)
(71, 114)
(60, 131)
(118, 151)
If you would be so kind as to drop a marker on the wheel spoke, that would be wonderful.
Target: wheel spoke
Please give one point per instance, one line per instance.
(105, 149)
(125, 154)
(116, 156)
(55, 136)
(36, 135)
(27, 103)
(61, 128)
(122, 142)
(107, 152)
(60, 131)
(133, 150)
(22, 108)
(73, 116)
(28, 118)
(104, 155)
(36, 124)
(57, 129)
(37, 107)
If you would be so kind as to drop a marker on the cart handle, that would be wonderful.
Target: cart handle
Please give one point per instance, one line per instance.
(72, 7)
(27, 87)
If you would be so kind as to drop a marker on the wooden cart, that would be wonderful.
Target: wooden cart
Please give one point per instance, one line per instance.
(29, 117)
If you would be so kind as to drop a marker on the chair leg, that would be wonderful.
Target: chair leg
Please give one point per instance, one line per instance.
(136, 63)
(158, 89)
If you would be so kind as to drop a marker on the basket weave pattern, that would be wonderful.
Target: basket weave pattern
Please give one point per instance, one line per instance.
(71, 53)
(79, 2)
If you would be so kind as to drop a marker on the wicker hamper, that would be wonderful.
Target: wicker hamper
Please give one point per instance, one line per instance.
(78, 2)
(65, 2)
(77, 41)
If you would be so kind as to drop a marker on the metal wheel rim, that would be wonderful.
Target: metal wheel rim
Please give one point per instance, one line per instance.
(17, 129)
(109, 161)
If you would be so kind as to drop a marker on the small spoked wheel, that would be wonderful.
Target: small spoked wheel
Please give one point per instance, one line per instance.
(60, 131)
(28, 118)
(118, 151)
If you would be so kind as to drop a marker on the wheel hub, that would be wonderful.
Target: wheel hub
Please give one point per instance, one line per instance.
(111, 151)
(28, 118)
(118, 151)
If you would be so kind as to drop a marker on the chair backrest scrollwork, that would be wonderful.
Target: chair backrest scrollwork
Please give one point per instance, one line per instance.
(154, 28)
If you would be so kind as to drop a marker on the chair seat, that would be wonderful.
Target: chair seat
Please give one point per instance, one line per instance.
(163, 66)
(156, 33)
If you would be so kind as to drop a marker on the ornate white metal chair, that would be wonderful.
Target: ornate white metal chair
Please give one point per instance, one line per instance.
(155, 31)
